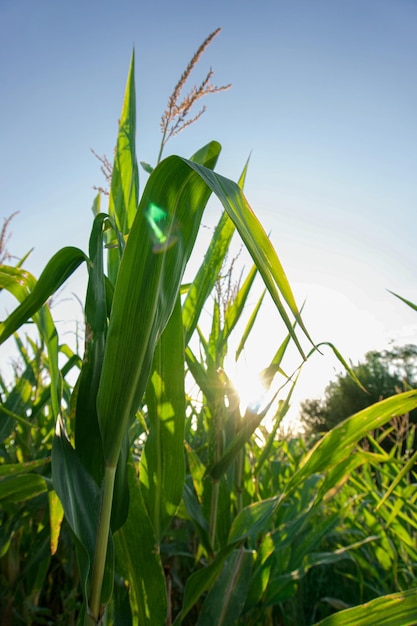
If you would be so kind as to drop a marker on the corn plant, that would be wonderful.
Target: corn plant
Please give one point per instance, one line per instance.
(133, 334)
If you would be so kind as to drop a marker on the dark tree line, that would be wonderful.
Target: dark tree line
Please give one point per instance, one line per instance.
(381, 373)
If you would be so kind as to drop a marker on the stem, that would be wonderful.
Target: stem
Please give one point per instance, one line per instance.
(215, 487)
(239, 475)
(101, 546)
(213, 513)
(160, 151)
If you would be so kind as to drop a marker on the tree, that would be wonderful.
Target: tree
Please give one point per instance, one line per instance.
(383, 374)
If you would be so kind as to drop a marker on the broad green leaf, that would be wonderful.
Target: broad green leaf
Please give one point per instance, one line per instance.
(119, 612)
(81, 500)
(208, 155)
(162, 470)
(391, 610)
(124, 189)
(201, 581)
(252, 520)
(57, 271)
(226, 599)
(338, 444)
(87, 432)
(208, 273)
(23, 286)
(145, 293)
(22, 487)
(88, 441)
(11, 469)
(139, 562)
(257, 244)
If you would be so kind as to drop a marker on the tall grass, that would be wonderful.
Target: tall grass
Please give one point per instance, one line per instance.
(175, 509)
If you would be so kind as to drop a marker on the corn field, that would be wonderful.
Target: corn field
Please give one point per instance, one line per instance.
(133, 497)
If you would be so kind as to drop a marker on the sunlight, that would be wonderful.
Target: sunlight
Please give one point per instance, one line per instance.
(248, 384)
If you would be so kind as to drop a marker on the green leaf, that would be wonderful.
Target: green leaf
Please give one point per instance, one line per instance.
(226, 599)
(235, 307)
(390, 610)
(248, 328)
(201, 581)
(12, 469)
(57, 271)
(148, 168)
(208, 273)
(87, 432)
(162, 470)
(32, 294)
(145, 294)
(258, 245)
(407, 302)
(81, 500)
(88, 441)
(139, 561)
(252, 520)
(124, 189)
(22, 487)
(338, 444)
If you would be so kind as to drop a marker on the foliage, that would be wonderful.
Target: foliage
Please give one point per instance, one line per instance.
(382, 374)
(129, 498)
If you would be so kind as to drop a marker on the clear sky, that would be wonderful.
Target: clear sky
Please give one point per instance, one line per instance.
(324, 96)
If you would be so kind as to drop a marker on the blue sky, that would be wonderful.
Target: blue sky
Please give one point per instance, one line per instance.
(324, 96)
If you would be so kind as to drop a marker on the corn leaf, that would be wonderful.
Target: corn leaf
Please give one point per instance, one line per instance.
(81, 499)
(226, 599)
(390, 610)
(208, 273)
(22, 487)
(248, 328)
(139, 562)
(252, 519)
(124, 190)
(235, 307)
(153, 263)
(200, 581)
(11, 469)
(162, 470)
(338, 444)
(258, 245)
(57, 271)
(407, 302)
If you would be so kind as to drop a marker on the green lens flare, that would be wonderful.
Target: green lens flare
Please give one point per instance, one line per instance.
(161, 228)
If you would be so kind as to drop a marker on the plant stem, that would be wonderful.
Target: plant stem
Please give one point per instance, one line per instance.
(239, 474)
(213, 513)
(101, 546)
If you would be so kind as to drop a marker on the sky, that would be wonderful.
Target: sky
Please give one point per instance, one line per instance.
(324, 98)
